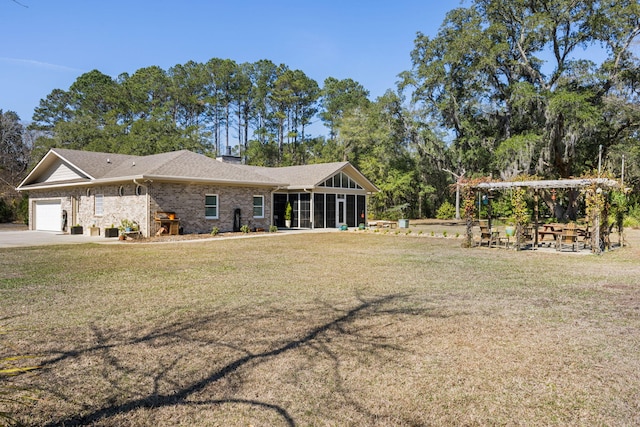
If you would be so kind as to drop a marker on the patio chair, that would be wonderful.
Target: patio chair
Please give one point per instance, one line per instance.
(527, 236)
(486, 235)
(568, 237)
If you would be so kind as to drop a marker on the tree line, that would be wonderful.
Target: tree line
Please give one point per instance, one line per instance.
(505, 88)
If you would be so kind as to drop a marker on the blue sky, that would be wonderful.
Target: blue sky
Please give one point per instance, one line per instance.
(48, 44)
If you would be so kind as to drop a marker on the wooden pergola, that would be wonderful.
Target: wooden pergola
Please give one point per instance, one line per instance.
(599, 184)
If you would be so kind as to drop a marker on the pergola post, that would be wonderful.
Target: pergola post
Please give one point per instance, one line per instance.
(536, 214)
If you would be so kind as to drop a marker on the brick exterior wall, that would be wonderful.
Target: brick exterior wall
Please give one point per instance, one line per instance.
(188, 204)
(187, 201)
(116, 207)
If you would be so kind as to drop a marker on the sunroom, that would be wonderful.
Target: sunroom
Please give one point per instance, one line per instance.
(321, 200)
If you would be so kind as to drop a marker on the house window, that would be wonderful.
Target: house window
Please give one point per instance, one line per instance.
(258, 206)
(211, 206)
(99, 204)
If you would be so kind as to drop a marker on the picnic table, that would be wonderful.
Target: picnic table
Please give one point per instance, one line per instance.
(553, 230)
(383, 224)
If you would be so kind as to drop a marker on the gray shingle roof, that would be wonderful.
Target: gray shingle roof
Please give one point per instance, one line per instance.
(177, 165)
(186, 166)
(309, 176)
(301, 176)
(92, 163)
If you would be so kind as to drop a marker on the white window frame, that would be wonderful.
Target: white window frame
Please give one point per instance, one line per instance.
(255, 206)
(98, 204)
(217, 206)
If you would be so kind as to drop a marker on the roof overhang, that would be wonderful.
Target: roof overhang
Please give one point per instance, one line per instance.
(142, 178)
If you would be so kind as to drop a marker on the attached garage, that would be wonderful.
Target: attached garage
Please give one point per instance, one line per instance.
(48, 215)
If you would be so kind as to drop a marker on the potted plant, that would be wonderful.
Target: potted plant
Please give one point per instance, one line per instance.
(510, 229)
(287, 215)
(111, 231)
(76, 229)
(127, 226)
(94, 231)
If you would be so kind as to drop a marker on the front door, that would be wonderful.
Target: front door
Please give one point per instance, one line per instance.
(340, 210)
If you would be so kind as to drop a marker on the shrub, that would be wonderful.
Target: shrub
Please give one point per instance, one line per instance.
(632, 219)
(446, 211)
(245, 229)
(215, 231)
(273, 229)
(22, 213)
(6, 213)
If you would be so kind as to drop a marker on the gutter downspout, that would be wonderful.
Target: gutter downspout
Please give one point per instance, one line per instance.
(147, 214)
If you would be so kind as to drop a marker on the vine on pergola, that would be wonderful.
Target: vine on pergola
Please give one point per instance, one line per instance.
(596, 190)
(469, 205)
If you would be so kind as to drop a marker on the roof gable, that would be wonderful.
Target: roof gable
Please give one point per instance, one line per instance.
(315, 175)
(60, 170)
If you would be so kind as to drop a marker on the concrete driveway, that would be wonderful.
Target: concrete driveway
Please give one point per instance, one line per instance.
(22, 238)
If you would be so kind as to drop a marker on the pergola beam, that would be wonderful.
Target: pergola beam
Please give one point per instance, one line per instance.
(557, 183)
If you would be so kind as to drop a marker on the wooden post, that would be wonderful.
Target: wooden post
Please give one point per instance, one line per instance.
(535, 218)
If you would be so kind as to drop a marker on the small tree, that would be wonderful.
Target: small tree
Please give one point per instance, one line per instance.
(446, 211)
(288, 212)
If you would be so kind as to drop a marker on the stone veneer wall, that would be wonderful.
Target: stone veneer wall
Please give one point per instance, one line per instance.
(115, 207)
(187, 201)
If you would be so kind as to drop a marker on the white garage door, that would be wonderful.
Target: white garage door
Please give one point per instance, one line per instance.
(48, 215)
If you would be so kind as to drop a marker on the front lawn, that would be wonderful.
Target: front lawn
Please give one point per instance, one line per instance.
(322, 329)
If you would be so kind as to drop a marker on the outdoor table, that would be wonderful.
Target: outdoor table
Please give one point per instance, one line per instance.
(553, 230)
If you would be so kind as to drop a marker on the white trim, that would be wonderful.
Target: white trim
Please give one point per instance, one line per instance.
(261, 197)
(217, 206)
(97, 212)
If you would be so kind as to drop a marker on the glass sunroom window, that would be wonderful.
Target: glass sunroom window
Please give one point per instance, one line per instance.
(341, 180)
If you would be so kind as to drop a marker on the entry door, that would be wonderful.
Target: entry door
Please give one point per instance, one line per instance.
(341, 210)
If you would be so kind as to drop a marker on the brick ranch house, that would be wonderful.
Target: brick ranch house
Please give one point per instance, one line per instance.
(69, 187)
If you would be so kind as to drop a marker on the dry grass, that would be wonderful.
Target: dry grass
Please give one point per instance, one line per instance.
(324, 329)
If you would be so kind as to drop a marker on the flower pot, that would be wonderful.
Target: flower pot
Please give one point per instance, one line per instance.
(287, 223)
(111, 232)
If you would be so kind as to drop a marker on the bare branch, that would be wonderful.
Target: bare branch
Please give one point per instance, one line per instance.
(20, 4)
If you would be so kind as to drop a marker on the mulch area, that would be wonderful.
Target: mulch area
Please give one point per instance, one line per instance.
(187, 237)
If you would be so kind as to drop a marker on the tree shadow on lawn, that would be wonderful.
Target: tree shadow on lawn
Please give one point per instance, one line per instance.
(345, 332)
